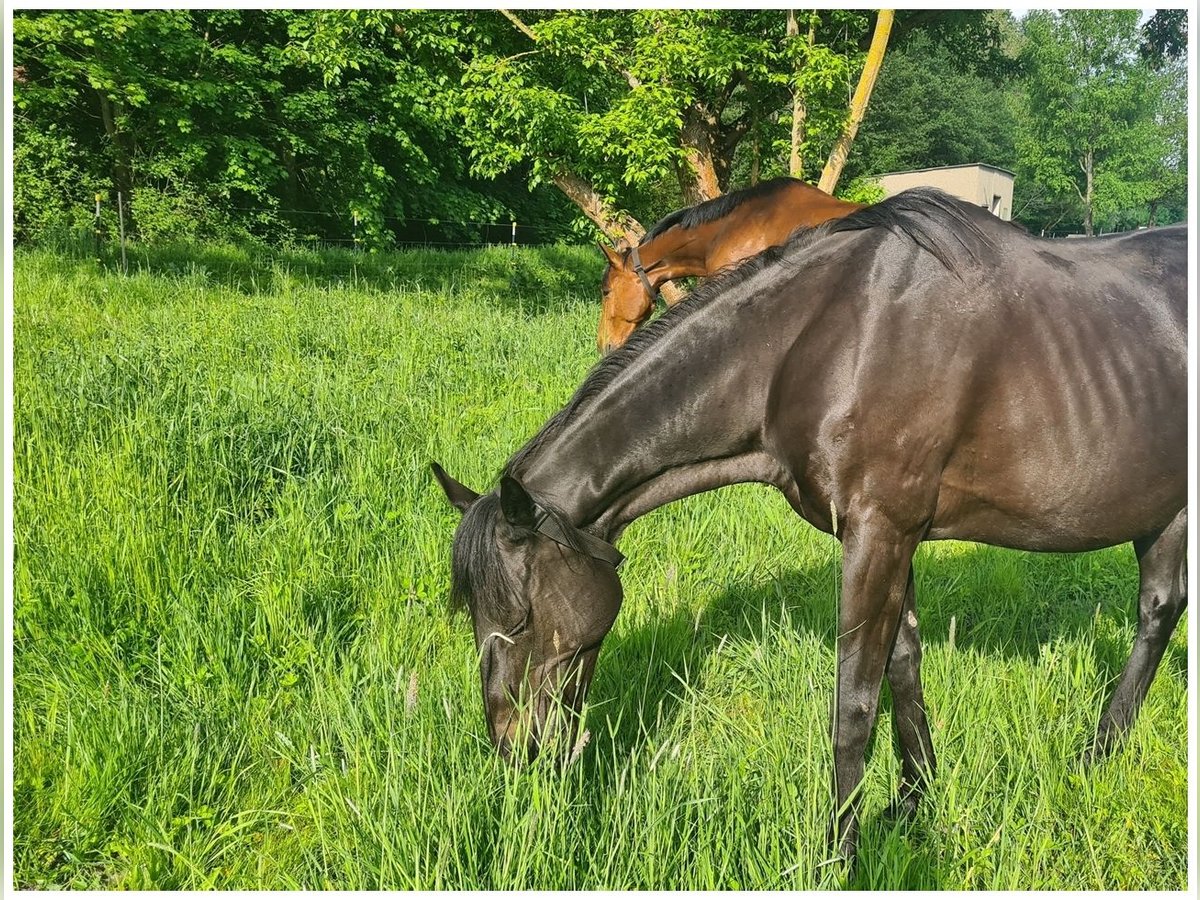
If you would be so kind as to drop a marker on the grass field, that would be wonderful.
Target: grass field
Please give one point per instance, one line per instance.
(234, 667)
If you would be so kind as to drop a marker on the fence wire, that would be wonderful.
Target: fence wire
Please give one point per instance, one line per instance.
(348, 231)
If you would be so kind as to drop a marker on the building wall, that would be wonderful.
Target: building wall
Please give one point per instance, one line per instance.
(982, 185)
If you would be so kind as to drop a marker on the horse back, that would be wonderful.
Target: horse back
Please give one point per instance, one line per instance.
(1014, 390)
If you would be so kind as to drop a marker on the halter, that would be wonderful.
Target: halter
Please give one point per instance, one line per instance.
(546, 524)
(641, 272)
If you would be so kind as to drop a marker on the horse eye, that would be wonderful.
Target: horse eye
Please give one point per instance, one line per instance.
(520, 627)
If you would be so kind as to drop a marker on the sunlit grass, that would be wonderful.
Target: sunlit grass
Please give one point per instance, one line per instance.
(234, 667)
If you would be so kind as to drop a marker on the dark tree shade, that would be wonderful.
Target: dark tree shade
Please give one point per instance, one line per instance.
(1164, 36)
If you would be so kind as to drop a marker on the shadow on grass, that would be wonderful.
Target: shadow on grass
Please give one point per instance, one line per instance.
(532, 280)
(999, 602)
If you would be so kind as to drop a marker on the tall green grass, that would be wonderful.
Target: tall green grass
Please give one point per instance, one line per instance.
(234, 667)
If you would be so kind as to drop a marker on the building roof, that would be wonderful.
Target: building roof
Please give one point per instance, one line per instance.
(947, 168)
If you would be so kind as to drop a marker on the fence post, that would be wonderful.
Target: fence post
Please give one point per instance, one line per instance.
(513, 243)
(96, 227)
(121, 219)
(355, 232)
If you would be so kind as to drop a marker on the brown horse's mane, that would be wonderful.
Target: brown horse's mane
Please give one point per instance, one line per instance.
(718, 207)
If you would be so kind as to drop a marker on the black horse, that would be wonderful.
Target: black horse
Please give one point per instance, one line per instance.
(916, 371)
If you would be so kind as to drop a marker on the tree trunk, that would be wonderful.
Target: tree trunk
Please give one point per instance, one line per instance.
(1150, 221)
(699, 178)
(755, 162)
(122, 167)
(617, 225)
(799, 106)
(291, 188)
(858, 106)
(1089, 173)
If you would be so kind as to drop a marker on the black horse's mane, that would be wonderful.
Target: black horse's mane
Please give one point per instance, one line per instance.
(940, 224)
(946, 228)
(718, 207)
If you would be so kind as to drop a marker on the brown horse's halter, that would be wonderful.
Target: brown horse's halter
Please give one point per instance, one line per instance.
(641, 272)
(546, 524)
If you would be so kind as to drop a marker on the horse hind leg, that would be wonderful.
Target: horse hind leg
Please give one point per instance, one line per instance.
(1162, 598)
(911, 723)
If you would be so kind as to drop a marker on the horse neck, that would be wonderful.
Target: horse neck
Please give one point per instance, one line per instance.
(627, 450)
(677, 253)
(697, 251)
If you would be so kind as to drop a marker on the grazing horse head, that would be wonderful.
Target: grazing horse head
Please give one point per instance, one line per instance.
(542, 595)
(627, 297)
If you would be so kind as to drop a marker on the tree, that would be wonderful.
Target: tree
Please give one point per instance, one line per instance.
(207, 121)
(212, 120)
(930, 109)
(858, 106)
(614, 107)
(1091, 122)
(1164, 36)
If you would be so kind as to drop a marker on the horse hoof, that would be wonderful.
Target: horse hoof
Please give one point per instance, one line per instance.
(902, 809)
(1101, 748)
(843, 852)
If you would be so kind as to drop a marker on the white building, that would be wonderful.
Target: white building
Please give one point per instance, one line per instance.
(987, 186)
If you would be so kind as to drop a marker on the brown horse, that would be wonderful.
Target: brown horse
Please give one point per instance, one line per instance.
(701, 240)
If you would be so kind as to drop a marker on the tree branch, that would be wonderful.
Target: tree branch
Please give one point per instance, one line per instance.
(521, 26)
(858, 106)
(733, 134)
(727, 92)
(614, 223)
(528, 32)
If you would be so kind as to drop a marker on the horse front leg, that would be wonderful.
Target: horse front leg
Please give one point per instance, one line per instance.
(876, 561)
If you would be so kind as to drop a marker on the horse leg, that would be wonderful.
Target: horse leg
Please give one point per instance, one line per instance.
(908, 709)
(1162, 597)
(875, 565)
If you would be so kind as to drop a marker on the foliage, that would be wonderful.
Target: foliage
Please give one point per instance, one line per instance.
(233, 667)
(929, 110)
(1098, 136)
(1164, 36)
(44, 175)
(605, 94)
(634, 101)
(243, 111)
(862, 190)
(289, 124)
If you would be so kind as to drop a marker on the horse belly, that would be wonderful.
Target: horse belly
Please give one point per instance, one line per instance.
(1073, 468)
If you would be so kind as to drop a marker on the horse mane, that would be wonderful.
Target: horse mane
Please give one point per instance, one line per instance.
(606, 371)
(718, 207)
(939, 224)
(942, 225)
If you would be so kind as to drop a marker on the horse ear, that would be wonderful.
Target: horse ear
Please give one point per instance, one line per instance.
(610, 254)
(515, 502)
(459, 495)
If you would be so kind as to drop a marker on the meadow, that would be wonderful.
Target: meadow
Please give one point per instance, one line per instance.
(235, 668)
